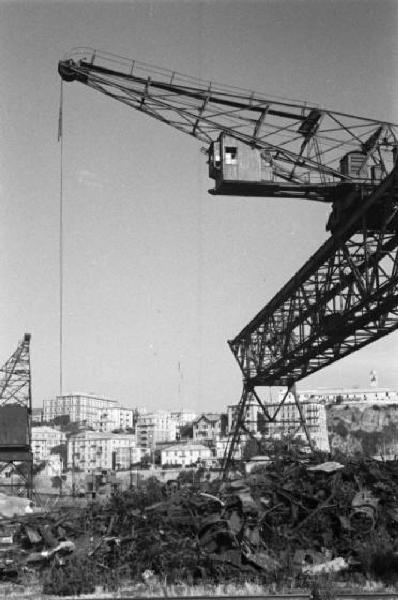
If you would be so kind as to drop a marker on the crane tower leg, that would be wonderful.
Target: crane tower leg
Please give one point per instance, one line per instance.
(249, 394)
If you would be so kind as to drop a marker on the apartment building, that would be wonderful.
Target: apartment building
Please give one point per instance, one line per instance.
(183, 417)
(156, 427)
(288, 422)
(81, 408)
(185, 454)
(44, 439)
(250, 417)
(91, 450)
(102, 414)
(343, 395)
(126, 456)
(115, 417)
(209, 427)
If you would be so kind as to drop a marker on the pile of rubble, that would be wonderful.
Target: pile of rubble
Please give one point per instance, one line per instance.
(288, 520)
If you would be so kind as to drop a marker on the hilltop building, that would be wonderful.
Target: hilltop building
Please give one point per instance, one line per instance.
(342, 395)
(100, 413)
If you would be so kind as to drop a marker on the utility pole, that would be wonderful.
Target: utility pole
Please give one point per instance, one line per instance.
(131, 470)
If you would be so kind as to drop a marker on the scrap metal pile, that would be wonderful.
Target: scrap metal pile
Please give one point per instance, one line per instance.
(288, 519)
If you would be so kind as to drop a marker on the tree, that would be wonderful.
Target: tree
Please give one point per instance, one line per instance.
(62, 420)
(186, 431)
(145, 462)
(250, 449)
(56, 482)
(38, 467)
(61, 451)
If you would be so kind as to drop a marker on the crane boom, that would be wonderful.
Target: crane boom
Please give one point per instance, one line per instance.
(257, 144)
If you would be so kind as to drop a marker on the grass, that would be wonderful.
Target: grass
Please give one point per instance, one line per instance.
(322, 589)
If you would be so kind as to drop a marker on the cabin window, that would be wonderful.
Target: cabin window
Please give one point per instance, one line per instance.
(231, 153)
(216, 154)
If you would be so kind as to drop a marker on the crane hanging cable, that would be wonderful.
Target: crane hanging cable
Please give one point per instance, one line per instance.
(61, 240)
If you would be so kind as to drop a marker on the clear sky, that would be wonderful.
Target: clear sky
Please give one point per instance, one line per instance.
(157, 271)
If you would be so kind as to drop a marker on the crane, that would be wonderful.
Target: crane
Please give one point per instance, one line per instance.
(15, 414)
(344, 297)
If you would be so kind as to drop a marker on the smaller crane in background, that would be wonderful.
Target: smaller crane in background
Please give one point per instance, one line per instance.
(16, 415)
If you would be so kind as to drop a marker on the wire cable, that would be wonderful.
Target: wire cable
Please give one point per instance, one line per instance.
(61, 241)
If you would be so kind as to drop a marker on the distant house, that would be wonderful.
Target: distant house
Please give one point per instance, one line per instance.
(209, 427)
(184, 454)
(37, 415)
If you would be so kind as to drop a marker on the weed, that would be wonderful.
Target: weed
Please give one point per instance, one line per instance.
(76, 576)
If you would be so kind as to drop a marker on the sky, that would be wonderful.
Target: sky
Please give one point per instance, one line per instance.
(158, 274)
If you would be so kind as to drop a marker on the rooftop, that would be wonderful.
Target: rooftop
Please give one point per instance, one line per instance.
(101, 435)
(186, 447)
(209, 417)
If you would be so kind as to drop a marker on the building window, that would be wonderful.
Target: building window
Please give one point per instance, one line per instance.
(231, 153)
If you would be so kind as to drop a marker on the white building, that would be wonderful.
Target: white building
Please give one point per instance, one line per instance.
(44, 439)
(343, 395)
(81, 408)
(287, 422)
(184, 454)
(115, 417)
(125, 456)
(153, 428)
(221, 447)
(37, 415)
(102, 414)
(183, 417)
(91, 450)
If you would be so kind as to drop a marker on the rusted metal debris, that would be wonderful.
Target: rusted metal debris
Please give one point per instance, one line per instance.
(285, 518)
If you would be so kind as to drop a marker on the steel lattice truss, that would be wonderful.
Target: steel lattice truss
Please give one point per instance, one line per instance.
(342, 299)
(303, 139)
(15, 377)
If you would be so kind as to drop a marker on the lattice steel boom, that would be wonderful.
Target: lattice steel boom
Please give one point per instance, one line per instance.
(303, 145)
(343, 298)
